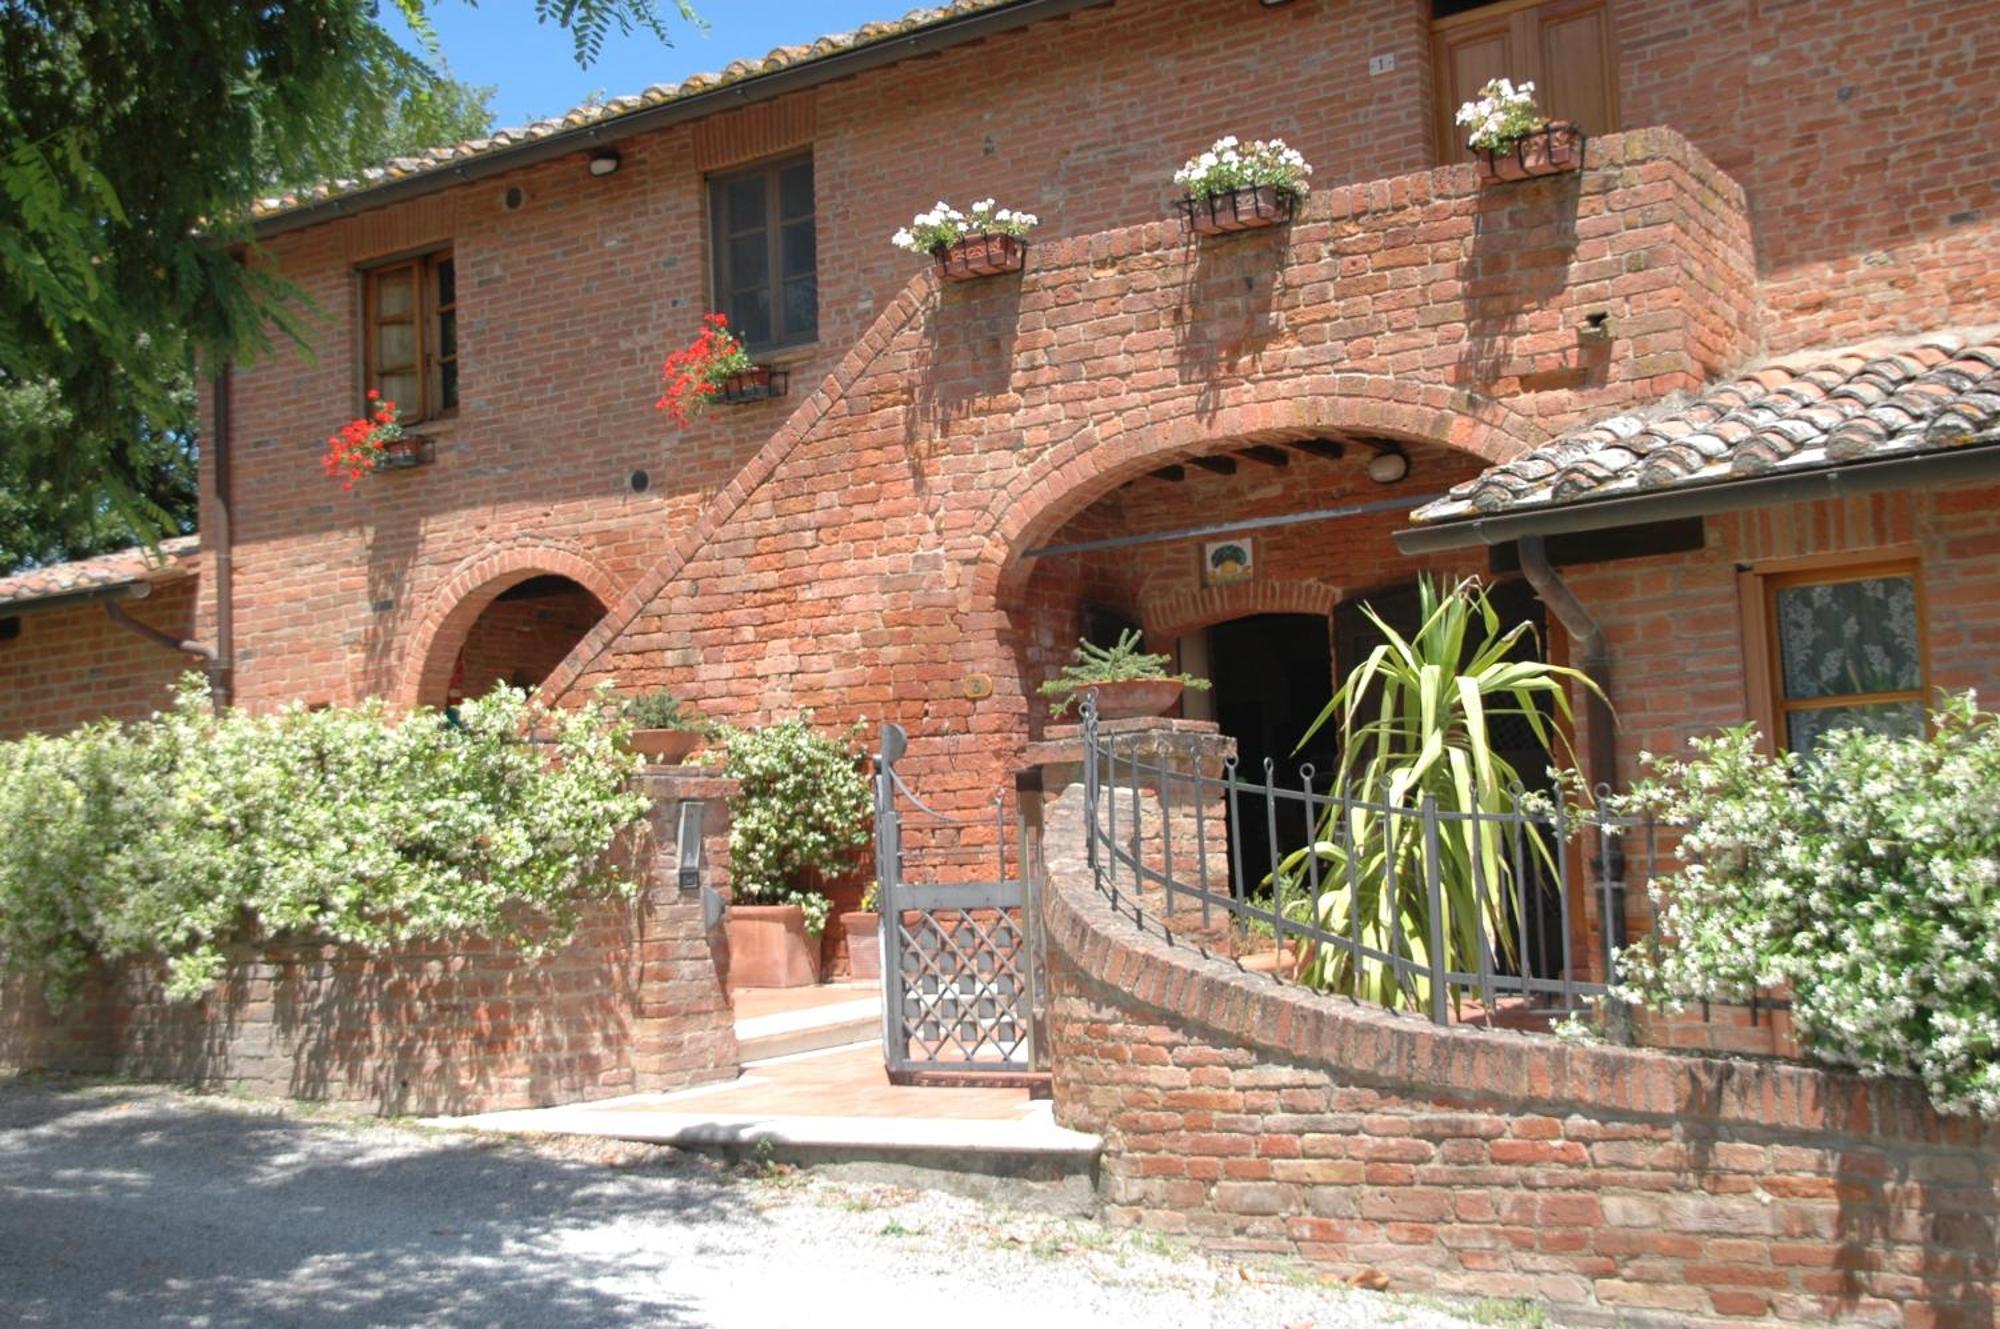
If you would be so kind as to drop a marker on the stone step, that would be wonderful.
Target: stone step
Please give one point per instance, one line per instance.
(790, 1032)
(1022, 1159)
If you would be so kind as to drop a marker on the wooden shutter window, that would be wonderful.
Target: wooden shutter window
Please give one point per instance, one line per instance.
(410, 335)
(765, 253)
(1562, 46)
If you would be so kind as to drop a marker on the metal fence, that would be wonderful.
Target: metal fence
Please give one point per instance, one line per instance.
(1509, 917)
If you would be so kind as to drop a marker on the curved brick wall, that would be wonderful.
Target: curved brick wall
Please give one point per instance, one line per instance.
(1622, 1186)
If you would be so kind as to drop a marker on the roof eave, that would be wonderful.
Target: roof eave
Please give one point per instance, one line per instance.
(1968, 464)
(758, 87)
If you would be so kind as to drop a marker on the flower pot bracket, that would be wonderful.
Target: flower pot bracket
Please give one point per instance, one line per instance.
(1554, 148)
(759, 384)
(1243, 209)
(980, 256)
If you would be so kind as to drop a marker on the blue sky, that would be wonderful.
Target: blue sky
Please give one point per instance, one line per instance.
(532, 65)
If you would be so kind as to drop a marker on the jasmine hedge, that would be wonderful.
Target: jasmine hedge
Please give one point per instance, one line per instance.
(1865, 877)
(183, 834)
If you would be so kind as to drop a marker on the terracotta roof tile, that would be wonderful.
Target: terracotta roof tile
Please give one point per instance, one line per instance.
(660, 94)
(127, 567)
(1809, 411)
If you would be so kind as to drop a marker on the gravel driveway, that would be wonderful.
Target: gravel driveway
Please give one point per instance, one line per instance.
(137, 1206)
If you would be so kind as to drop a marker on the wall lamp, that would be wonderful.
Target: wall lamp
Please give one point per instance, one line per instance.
(604, 161)
(1389, 465)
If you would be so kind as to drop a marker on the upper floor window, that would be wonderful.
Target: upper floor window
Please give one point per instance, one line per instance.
(1563, 47)
(409, 314)
(1846, 648)
(765, 252)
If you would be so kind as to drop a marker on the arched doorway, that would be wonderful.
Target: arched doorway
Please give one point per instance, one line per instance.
(518, 638)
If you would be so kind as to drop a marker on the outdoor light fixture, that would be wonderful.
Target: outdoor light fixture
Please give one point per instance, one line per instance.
(1388, 466)
(604, 161)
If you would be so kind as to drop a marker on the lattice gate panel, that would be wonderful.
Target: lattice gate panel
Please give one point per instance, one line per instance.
(964, 990)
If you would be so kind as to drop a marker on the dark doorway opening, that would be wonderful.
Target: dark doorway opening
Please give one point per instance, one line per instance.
(1273, 674)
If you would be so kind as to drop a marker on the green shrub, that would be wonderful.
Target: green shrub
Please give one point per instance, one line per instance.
(185, 833)
(1123, 662)
(804, 809)
(661, 709)
(1866, 876)
(1414, 721)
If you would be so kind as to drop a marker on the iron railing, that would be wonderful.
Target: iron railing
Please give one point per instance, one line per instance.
(1180, 838)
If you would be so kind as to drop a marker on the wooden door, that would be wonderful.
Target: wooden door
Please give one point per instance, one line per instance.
(1562, 46)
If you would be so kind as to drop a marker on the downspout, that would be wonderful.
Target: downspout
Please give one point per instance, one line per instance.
(115, 611)
(1593, 658)
(216, 549)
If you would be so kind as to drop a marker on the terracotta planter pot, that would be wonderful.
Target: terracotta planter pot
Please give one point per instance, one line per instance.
(981, 256)
(1551, 150)
(1132, 698)
(758, 383)
(664, 747)
(769, 948)
(864, 944)
(1238, 210)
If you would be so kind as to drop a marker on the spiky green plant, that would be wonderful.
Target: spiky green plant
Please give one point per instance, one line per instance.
(1415, 721)
(1091, 664)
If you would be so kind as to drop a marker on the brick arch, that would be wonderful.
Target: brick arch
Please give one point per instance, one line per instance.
(466, 593)
(1078, 472)
(1168, 616)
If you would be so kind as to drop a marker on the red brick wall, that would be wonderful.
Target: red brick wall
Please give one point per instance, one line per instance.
(1619, 1186)
(71, 664)
(1674, 622)
(633, 1003)
(870, 563)
(1855, 130)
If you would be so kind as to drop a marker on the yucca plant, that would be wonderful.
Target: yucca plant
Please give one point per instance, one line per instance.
(1415, 721)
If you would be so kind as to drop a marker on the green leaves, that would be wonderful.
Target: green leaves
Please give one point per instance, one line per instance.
(1415, 723)
(803, 811)
(1091, 664)
(1862, 879)
(184, 835)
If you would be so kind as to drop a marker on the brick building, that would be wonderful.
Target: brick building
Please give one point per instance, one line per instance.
(964, 478)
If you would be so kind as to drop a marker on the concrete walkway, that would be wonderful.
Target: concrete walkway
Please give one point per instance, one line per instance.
(123, 1207)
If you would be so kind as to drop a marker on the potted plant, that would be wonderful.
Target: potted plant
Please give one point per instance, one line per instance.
(664, 729)
(1128, 682)
(372, 442)
(984, 243)
(1514, 140)
(1236, 186)
(802, 815)
(863, 927)
(714, 367)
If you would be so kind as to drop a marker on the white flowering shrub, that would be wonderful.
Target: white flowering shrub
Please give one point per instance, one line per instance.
(183, 834)
(944, 226)
(803, 809)
(1867, 877)
(1500, 116)
(1233, 164)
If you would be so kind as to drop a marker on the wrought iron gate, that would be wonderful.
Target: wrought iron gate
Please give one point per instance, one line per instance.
(960, 959)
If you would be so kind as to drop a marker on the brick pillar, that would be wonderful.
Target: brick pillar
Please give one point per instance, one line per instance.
(685, 1030)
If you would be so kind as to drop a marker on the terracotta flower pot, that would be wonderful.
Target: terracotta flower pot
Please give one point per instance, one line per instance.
(864, 944)
(769, 948)
(664, 747)
(1243, 209)
(1132, 698)
(1550, 150)
(981, 256)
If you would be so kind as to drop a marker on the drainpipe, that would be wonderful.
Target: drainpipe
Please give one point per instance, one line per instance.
(216, 549)
(115, 611)
(1593, 658)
